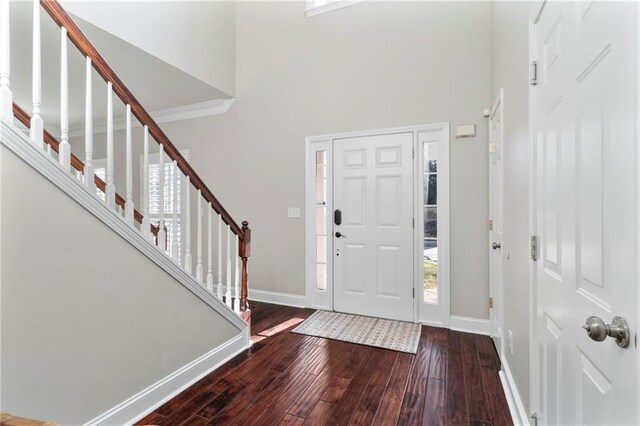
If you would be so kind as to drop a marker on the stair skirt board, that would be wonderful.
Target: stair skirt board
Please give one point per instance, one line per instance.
(48, 167)
(149, 399)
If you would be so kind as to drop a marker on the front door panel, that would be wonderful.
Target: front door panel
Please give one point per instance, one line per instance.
(373, 256)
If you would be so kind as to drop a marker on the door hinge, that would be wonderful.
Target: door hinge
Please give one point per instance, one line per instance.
(414, 293)
(491, 302)
(534, 247)
(534, 417)
(490, 225)
(413, 223)
(533, 73)
(413, 152)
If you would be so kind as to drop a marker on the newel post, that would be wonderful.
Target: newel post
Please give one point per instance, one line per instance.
(245, 252)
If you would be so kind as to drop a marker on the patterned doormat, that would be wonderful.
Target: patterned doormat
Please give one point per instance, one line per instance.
(382, 333)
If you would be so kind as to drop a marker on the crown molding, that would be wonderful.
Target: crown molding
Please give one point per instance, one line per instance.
(167, 115)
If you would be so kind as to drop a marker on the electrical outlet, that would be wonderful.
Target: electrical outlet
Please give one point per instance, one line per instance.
(294, 212)
(510, 342)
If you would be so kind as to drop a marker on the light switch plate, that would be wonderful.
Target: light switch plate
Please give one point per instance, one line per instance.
(294, 212)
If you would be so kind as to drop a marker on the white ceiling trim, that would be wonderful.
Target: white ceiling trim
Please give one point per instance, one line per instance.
(185, 112)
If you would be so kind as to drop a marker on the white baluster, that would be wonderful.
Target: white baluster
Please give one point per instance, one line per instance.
(89, 179)
(174, 224)
(64, 150)
(220, 257)
(236, 275)
(110, 188)
(128, 205)
(188, 262)
(199, 240)
(210, 248)
(6, 97)
(162, 242)
(36, 131)
(228, 292)
(146, 223)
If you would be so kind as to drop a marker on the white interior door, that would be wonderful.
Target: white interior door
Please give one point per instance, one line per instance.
(496, 216)
(586, 209)
(373, 244)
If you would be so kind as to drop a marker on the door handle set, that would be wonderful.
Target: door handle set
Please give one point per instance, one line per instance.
(340, 235)
(618, 329)
(496, 246)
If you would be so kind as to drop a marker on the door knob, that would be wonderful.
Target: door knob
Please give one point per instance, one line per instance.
(339, 234)
(618, 329)
(496, 246)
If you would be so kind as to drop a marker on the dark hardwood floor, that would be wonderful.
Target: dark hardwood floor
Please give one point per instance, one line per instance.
(291, 379)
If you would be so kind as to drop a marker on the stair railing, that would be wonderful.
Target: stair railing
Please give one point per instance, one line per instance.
(232, 287)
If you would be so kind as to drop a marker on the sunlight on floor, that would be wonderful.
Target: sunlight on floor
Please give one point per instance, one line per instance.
(276, 329)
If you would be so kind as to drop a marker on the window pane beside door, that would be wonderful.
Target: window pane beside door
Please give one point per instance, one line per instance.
(430, 229)
(321, 220)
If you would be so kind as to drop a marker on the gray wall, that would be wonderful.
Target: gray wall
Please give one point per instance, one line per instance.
(196, 37)
(510, 71)
(374, 65)
(87, 321)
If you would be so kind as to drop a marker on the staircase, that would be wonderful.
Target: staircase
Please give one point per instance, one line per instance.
(59, 365)
(233, 241)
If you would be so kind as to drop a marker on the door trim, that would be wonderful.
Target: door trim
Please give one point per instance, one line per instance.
(534, 379)
(497, 109)
(323, 299)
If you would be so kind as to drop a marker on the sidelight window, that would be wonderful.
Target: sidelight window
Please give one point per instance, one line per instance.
(430, 233)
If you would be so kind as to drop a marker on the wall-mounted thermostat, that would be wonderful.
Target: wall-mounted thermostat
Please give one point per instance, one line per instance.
(466, 131)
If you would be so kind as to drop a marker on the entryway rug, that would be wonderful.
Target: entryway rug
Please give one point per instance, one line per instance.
(382, 333)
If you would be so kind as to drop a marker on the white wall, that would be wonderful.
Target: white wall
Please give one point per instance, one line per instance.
(196, 37)
(510, 71)
(374, 65)
(87, 321)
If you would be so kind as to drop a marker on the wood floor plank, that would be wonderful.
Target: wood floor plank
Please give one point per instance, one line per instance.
(368, 406)
(321, 414)
(420, 371)
(349, 401)
(456, 408)
(290, 420)
(489, 366)
(411, 410)
(391, 403)
(438, 363)
(278, 408)
(434, 404)
(477, 401)
(151, 419)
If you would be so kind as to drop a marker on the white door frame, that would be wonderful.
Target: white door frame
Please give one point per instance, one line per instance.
(533, 301)
(323, 299)
(497, 287)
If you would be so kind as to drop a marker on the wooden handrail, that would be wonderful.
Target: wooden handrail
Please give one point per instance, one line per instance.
(76, 163)
(77, 37)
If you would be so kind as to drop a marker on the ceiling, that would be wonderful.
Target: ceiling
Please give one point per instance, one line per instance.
(156, 84)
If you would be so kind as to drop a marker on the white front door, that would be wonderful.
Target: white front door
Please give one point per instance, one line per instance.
(586, 210)
(496, 216)
(373, 244)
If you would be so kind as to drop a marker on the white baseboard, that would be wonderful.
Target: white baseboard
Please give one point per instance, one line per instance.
(138, 406)
(469, 325)
(518, 413)
(277, 298)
